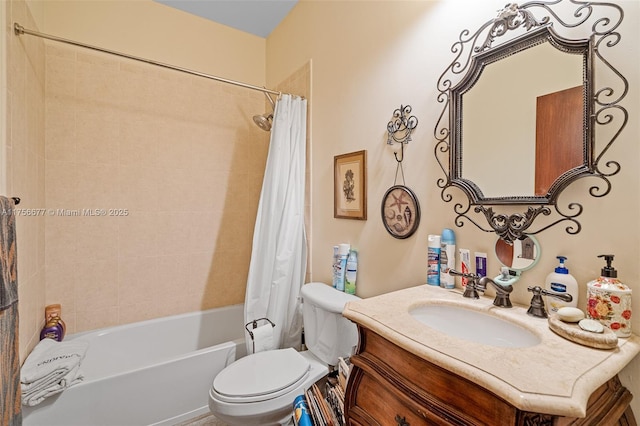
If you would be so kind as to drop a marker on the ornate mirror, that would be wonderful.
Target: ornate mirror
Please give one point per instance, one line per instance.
(521, 111)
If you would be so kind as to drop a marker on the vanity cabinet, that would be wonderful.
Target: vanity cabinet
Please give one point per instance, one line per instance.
(390, 386)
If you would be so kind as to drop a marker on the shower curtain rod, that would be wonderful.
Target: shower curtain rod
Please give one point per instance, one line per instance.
(19, 30)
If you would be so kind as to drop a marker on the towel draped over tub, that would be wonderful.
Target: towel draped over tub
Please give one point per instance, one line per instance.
(10, 408)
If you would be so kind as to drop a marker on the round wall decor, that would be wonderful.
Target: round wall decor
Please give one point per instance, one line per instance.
(400, 211)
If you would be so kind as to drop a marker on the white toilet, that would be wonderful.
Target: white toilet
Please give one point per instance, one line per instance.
(259, 389)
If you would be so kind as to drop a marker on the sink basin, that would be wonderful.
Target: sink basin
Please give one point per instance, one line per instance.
(474, 326)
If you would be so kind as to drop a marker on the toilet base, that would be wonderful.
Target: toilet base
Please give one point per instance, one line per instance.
(273, 412)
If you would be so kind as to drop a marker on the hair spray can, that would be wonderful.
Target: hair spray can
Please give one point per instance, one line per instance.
(301, 415)
(433, 260)
(447, 258)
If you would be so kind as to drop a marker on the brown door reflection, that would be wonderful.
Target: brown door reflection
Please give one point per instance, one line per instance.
(559, 136)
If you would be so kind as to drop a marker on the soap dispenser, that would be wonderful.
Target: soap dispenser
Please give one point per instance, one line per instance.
(609, 300)
(561, 281)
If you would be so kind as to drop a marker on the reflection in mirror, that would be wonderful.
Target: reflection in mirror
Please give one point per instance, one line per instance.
(505, 116)
(520, 256)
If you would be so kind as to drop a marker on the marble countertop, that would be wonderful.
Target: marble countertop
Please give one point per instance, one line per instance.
(555, 377)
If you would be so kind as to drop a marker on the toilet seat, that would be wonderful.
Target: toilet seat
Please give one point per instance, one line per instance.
(261, 376)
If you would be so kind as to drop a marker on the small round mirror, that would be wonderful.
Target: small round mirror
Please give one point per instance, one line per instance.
(520, 256)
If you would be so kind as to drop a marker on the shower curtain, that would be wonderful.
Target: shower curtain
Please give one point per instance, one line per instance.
(10, 409)
(279, 251)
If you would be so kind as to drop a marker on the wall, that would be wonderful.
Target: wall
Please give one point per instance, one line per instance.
(23, 168)
(155, 31)
(371, 57)
(153, 179)
(178, 153)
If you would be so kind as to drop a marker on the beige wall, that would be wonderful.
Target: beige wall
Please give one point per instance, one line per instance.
(371, 57)
(175, 165)
(155, 31)
(179, 153)
(25, 167)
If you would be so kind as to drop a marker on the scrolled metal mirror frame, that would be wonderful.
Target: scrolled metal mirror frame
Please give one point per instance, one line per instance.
(601, 107)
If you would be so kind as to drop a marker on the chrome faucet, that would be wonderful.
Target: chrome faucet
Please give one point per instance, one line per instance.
(479, 284)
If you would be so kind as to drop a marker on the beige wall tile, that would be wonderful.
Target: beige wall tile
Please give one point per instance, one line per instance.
(96, 237)
(138, 279)
(26, 127)
(110, 133)
(137, 235)
(138, 188)
(96, 285)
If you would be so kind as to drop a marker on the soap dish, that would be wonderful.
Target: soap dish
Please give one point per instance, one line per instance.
(573, 332)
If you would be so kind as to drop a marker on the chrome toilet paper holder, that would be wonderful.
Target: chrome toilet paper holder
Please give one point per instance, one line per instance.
(254, 324)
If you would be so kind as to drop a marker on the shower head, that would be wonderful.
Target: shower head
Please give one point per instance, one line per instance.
(263, 121)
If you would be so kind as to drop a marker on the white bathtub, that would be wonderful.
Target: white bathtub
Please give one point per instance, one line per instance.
(155, 372)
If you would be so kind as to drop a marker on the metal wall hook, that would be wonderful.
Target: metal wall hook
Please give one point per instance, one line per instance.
(395, 154)
(400, 127)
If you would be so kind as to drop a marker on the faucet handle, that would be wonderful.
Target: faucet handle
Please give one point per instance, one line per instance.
(536, 308)
(471, 289)
(462, 274)
(537, 304)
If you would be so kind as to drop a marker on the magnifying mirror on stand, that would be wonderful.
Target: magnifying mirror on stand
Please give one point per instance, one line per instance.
(520, 256)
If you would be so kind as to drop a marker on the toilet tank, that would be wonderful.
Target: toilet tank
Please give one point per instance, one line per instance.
(327, 334)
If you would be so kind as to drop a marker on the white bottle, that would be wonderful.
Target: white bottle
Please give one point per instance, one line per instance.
(433, 260)
(447, 258)
(561, 281)
(335, 266)
(352, 272)
(343, 252)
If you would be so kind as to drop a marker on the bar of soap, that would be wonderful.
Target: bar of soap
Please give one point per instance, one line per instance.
(591, 325)
(570, 314)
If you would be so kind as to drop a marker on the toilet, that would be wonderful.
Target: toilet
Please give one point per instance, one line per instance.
(259, 389)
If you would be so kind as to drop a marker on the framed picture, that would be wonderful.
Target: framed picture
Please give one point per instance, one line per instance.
(400, 211)
(350, 186)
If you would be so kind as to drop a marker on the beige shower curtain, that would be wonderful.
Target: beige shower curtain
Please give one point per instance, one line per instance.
(10, 409)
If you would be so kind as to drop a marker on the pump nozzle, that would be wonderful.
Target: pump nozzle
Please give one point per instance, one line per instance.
(561, 269)
(608, 271)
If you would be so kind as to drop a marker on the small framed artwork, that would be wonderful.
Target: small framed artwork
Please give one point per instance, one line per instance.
(350, 186)
(400, 211)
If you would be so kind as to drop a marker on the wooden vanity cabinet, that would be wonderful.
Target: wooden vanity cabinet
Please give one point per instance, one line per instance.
(391, 386)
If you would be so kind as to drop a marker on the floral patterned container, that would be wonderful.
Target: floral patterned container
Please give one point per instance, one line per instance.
(609, 301)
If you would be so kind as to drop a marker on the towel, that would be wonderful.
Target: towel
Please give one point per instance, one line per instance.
(10, 409)
(51, 368)
(8, 266)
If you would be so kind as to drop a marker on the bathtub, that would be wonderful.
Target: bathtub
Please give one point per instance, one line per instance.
(155, 372)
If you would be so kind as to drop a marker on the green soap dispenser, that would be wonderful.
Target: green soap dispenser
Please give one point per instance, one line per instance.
(561, 281)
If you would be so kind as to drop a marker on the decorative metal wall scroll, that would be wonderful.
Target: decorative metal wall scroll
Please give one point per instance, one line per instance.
(400, 127)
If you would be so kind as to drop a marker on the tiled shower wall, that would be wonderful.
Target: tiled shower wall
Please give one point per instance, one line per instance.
(25, 165)
(152, 185)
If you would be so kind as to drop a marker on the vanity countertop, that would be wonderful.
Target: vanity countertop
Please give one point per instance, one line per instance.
(555, 377)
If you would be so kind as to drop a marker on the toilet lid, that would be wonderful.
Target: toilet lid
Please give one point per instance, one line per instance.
(261, 376)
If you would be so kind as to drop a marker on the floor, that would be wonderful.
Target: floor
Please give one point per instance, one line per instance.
(204, 420)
